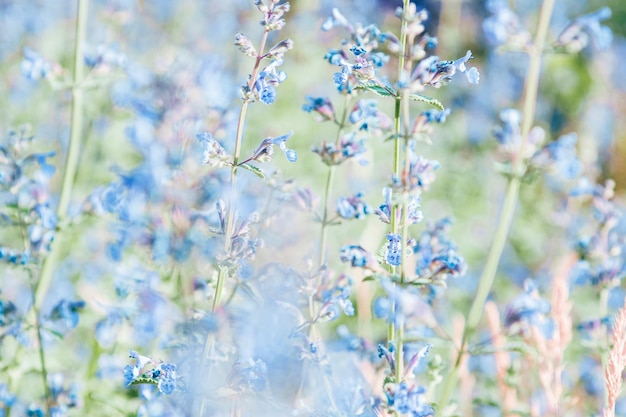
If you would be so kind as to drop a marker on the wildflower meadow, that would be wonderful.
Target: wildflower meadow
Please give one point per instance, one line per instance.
(312, 208)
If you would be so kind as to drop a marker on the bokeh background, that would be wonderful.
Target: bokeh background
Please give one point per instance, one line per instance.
(176, 72)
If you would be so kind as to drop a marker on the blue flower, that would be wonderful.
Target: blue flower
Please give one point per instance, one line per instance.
(421, 171)
(576, 35)
(356, 256)
(34, 66)
(336, 20)
(407, 399)
(471, 74)
(6, 398)
(393, 255)
(503, 25)
(167, 378)
(527, 308)
(321, 105)
(349, 147)
(367, 114)
(265, 151)
(384, 210)
(263, 87)
(353, 207)
(268, 95)
(214, 153)
(437, 256)
(68, 312)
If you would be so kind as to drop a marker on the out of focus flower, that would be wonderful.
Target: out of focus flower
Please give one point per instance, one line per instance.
(349, 147)
(265, 151)
(35, 66)
(320, 105)
(576, 35)
(504, 26)
(353, 207)
(214, 153)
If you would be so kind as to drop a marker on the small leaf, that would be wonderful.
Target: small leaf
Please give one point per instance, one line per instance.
(421, 281)
(425, 99)
(255, 170)
(378, 89)
(251, 292)
(144, 380)
(369, 278)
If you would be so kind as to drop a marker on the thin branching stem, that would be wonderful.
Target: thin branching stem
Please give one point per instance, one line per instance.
(341, 123)
(230, 215)
(209, 342)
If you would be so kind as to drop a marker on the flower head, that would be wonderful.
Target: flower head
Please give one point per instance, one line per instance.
(265, 151)
(353, 207)
(576, 35)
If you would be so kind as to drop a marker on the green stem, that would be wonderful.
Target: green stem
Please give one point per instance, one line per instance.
(398, 109)
(71, 162)
(510, 201)
(330, 182)
(209, 342)
(50, 262)
(230, 216)
(44, 369)
(324, 231)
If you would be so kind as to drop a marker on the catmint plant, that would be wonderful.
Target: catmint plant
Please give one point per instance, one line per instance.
(162, 254)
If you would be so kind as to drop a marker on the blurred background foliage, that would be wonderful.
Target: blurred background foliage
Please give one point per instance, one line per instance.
(188, 47)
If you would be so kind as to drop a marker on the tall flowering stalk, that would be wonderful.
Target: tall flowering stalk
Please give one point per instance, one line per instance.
(260, 86)
(436, 258)
(518, 169)
(50, 262)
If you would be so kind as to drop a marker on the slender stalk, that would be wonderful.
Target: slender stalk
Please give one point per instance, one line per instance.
(44, 369)
(398, 110)
(71, 162)
(324, 228)
(230, 216)
(40, 288)
(209, 342)
(510, 201)
(330, 182)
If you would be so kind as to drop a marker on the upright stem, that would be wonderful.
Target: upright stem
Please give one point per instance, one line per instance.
(76, 127)
(511, 197)
(230, 215)
(71, 162)
(44, 369)
(393, 334)
(330, 182)
(324, 229)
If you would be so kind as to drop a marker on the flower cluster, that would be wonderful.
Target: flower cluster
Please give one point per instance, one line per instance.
(147, 371)
(25, 192)
(262, 86)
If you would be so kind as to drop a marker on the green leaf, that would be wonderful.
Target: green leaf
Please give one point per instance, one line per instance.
(378, 89)
(255, 170)
(510, 346)
(251, 292)
(420, 281)
(144, 380)
(392, 137)
(428, 100)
